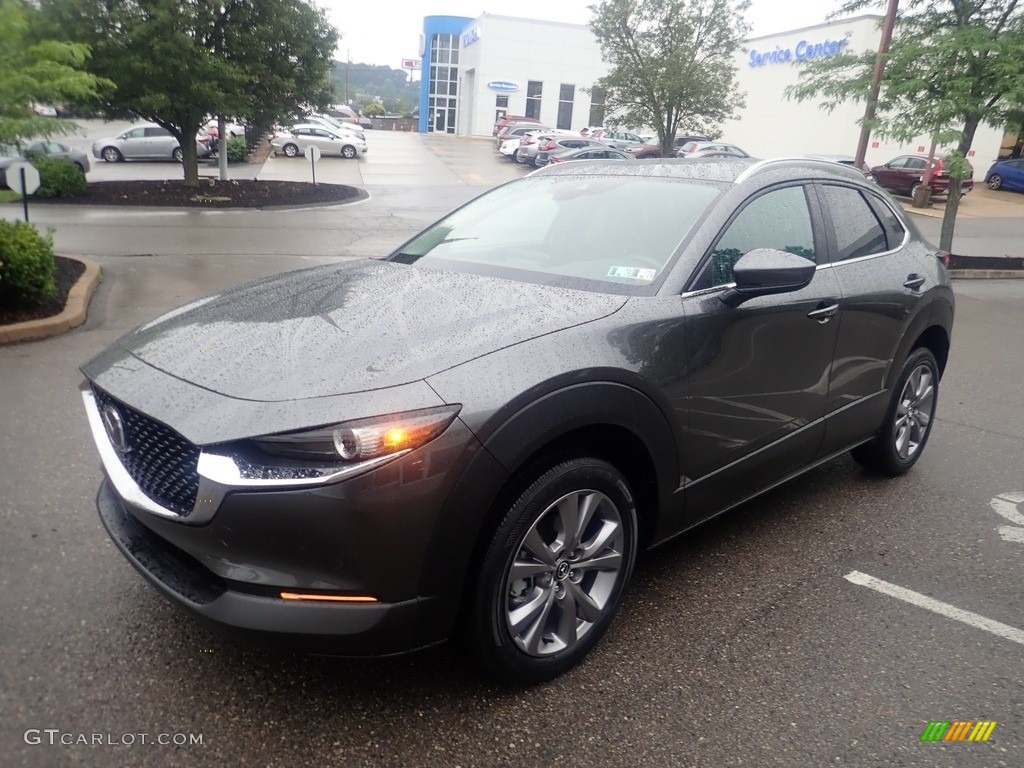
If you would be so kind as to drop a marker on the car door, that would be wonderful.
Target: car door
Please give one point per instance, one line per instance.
(133, 143)
(882, 283)
(159, 144)
(759, 372)
(1014, 175)
(891, 175)
(326, 141)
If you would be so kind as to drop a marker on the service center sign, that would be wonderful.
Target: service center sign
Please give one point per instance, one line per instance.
(800, 52)
(503, 86)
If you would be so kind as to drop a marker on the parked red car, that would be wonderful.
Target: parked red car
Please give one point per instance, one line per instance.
(507, 119)
(903, 175)
(652, 147)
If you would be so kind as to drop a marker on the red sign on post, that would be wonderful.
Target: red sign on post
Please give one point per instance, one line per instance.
(920, 149)
(411, 63)
(875, 145)
(971, 153)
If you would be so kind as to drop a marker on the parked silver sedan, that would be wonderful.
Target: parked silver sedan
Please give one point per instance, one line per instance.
(144, 142)
(297, 139)
(59, 151)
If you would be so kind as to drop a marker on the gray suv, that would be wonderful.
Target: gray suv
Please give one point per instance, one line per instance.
(477, 435)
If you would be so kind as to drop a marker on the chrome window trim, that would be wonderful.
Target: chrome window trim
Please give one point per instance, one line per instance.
(219, 474)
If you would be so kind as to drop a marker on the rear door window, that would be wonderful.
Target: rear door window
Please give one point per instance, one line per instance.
(856, 228)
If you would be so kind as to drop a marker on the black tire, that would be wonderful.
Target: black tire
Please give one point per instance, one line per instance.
(913, 188)
(908, 419)
(567, 593)
(80, 167)
(995, 181)
(290, 150)
(348, 152)
(111, 155)
(177, 155)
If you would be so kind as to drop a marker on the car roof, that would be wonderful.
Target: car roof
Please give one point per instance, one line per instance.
(731, 170)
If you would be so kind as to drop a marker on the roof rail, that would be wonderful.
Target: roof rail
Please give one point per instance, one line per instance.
(764, 165)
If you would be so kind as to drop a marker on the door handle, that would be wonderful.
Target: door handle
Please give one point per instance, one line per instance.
(914, 281)
(824, 314)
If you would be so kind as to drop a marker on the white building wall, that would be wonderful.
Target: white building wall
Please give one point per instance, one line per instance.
(517, 51)
(772, 126)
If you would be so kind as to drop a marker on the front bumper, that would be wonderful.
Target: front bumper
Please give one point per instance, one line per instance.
(358, 629)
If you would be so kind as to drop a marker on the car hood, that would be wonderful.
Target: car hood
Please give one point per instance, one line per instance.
(341, 329)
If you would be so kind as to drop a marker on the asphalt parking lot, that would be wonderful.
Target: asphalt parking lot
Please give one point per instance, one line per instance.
(825, 624)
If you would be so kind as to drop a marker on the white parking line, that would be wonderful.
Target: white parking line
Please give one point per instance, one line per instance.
(1004, 631)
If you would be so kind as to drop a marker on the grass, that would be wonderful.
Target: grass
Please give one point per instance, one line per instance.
(9, 196)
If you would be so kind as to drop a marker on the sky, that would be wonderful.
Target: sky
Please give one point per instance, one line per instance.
(386, 31)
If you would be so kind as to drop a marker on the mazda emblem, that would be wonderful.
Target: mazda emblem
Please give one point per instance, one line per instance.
(115, 428)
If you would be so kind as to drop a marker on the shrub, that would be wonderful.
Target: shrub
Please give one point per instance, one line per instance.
(374, 110)
(26, 264)
(58, 177)
(238, 149)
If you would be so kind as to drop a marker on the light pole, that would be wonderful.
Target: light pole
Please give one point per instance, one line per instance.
(876, 82)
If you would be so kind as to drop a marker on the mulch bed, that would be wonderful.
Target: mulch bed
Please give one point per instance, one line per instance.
(66, 273)
(235, 193)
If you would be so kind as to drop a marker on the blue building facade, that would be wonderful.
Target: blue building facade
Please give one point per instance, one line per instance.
(439, 73)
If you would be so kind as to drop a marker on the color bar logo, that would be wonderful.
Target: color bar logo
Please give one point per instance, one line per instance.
(958, 730)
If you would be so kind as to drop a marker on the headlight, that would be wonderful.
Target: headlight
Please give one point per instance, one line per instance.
(364, 439)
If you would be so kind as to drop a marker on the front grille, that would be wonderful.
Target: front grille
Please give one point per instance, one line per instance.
(159, 460)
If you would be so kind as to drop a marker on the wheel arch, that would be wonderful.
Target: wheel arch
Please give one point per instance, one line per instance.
(610, 421)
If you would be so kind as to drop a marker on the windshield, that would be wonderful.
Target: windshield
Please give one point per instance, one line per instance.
(605, 233)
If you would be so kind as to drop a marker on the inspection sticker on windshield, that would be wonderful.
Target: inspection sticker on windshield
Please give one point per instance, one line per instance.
(634, 273)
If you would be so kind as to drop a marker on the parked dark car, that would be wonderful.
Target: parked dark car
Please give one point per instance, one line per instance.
(479, 433)
(1006, 174)
(709, 149)
(904, 174)
(848, 160)
(42, 147)
(652, 147)
(589, 153)
(558, 144)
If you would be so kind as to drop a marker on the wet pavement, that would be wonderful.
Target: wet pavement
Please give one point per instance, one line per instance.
(740, 644)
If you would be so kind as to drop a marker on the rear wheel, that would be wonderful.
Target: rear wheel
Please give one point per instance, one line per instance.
(554, 572)
(995, 181)
(908, 421)
(177, 155)
(914, 187)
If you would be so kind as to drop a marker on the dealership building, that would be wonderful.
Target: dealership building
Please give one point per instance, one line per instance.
(476, 70)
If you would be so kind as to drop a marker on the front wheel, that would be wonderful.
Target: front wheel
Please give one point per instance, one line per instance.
(291, 150)
(111, 155)
(994, 181)
(554, 572)
(348, 151)
(908, 420)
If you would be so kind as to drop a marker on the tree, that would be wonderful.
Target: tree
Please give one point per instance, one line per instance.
(176, 63)
(672, 63)
(953, 65)
(37, 71)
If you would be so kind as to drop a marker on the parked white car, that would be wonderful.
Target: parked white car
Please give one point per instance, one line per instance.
(294, 141)
(335, 125)
(510, 148)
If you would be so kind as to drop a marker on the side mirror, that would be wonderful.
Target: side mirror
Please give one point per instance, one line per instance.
(767, 271)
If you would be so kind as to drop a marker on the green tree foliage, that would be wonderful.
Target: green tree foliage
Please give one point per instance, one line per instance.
(175, 63)
(953, 65)
(37, 71)
(672, 64)
(356, 82)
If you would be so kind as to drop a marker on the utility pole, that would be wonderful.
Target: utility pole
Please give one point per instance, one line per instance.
(876, 82)
(348, 77)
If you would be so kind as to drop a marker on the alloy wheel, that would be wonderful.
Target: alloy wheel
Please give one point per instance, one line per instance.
(561, 579)
(914, 412)
(994, 181)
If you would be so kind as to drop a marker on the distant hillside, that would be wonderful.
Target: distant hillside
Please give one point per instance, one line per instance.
(360, 84)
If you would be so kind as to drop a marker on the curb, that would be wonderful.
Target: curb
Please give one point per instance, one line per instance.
(74, 314)
(986, 274)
